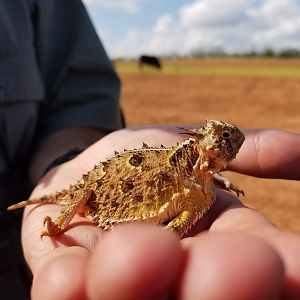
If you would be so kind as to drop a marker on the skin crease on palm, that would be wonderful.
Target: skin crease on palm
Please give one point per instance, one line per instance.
(233, 252)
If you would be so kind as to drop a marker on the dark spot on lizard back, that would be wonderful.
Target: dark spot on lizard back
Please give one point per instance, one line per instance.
(138, 198)
(127, 186)
(164, 177)
(136, 160)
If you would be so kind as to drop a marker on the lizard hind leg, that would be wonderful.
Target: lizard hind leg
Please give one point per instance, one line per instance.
(75, 205)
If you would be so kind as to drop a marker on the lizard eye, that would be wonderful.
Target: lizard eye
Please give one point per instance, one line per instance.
(226, 135)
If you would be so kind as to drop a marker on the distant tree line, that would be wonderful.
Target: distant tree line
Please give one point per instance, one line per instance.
(220, 53)
(268, 52)
(284, 53)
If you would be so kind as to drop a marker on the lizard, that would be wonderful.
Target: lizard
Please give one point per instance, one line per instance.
(172, 186)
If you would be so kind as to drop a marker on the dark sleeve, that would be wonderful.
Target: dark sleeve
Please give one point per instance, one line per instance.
(81, 86)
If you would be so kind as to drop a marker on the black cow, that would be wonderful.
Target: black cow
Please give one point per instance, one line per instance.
(151, 61)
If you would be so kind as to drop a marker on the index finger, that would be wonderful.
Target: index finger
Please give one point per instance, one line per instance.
(269, 153)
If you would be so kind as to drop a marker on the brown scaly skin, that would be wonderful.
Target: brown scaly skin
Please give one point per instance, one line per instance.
(172, 186)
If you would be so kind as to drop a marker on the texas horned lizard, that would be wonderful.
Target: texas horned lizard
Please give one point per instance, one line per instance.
(171, 186)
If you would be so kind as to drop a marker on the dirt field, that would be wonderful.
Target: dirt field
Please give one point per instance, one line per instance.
(152, 97)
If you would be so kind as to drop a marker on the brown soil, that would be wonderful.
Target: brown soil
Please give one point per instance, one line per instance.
(156, 98)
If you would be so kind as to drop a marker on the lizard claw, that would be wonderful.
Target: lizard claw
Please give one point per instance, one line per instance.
(239, 191)
(46, 221)
(51, 228)
(44, 233)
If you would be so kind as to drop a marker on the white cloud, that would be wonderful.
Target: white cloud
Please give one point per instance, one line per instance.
(133, 44)
(239, 25)
(274, 11)
(213, 13)
(163, 39)
(129, 6)
(233, 25)
(279, 24)
(165, 36)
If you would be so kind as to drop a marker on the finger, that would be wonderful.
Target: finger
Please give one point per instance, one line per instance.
(61, 276)
(269, 153)
(228, 213)
(229, 266)
(137, 261)
(232, 215)
(237, 218)
(288, 246)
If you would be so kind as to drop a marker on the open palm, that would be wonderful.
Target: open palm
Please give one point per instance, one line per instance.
(232, 253)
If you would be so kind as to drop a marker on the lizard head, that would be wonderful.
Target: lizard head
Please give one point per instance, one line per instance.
(220, 140)
(224, 138)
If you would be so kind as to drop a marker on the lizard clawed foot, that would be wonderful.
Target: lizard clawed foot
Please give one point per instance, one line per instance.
(234, 188)
(51, 228)
(225, 183)
(237, 190)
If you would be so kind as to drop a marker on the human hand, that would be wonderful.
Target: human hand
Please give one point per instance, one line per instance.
(241, 256)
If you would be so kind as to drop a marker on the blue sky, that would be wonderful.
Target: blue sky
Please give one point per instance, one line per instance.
(129, 28)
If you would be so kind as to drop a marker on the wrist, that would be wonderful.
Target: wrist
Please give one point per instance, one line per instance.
(69, 155)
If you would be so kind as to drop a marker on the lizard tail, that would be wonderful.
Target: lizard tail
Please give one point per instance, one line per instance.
(45, 200)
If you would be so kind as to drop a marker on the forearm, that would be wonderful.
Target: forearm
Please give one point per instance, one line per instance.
(57, 144)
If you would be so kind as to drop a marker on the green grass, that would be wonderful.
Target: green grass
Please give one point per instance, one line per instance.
(220, 67)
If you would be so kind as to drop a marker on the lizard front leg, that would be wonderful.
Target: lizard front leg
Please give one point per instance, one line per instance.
(192, 206)
(76, 205)
(223, 181)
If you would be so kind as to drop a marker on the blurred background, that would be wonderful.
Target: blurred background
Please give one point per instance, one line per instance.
(181, 61)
